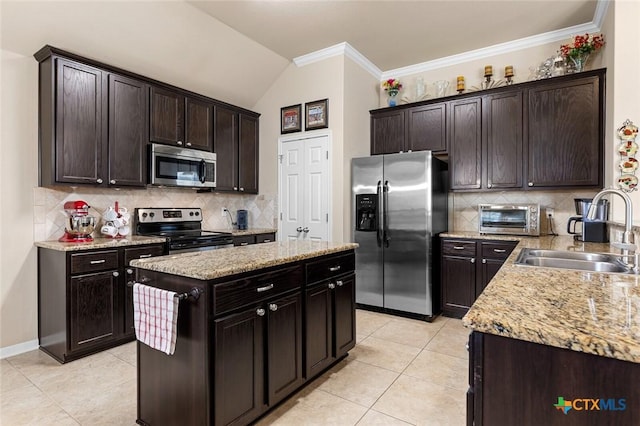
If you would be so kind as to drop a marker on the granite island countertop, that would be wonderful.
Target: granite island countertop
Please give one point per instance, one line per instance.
(591, 312)
(211, 264)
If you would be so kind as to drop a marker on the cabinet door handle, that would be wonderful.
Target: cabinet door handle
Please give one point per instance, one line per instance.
(265, 288)
(235, 188)
(340, 283)
(273, 307)
(335, 268)
(142, 256)
(332, 286)
(499, 251)
(129, 271)
(260, 312)
(473, 260)
(188, 143)
(98, 180)
(458, 247)
(266, 241)
(116, 274)
(179, 143)
(530, 183)
(489, 185)
(97, 262)
(241, 189)
(484, 260)
(244, 244)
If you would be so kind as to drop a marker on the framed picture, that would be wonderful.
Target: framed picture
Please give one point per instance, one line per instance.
(317, 114)
(290, 119)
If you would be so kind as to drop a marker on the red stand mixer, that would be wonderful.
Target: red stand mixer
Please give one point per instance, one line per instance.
(79, 224)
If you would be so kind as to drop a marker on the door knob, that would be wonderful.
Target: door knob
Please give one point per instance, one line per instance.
(305, 230)
(299, 229)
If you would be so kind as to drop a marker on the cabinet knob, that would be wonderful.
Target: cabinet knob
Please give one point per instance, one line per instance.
(340, 283)
(235, 188)
(473, 260)
(260, 312)
(129, 271)
(489, 185)
(299, 229)
(332, 286)
(484, 260)
(98, 180)
(112, 181)
(188, 143)
(241, 189)
(179, 143)
(116, 274)
(273, 307)
(530, 183)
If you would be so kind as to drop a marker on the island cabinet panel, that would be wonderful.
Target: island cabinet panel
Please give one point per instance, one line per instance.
(536, 376)
(566, 133)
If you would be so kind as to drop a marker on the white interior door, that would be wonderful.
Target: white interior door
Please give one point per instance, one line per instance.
(304, 189)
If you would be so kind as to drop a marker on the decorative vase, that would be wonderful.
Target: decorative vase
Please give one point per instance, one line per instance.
(392, 97)
(579, 61)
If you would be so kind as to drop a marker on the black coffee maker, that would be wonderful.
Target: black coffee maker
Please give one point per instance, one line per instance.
(592, 230)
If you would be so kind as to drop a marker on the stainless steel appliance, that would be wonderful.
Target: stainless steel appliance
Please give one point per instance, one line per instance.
(182, 228)
(510, 219)
(591, 230)
(79, 223)
(174, 166)
(399, 207)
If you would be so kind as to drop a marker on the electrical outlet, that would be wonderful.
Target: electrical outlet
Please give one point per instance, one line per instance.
(550, 212)
(223, 212)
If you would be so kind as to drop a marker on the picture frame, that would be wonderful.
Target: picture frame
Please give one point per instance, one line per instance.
(290, 119)
(317, 114)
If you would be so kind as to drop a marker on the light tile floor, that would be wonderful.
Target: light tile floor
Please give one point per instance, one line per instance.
(401, 372)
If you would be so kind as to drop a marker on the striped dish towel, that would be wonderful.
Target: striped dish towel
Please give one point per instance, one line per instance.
(155, 316)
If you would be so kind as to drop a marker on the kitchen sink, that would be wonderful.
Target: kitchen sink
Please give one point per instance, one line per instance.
(582, 261)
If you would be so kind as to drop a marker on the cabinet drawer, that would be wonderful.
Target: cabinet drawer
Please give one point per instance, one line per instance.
(94, 261)
(459, 248)
(142, 252)
(239, 293)
(493, 250)
(244, 240)
(330, 267)
(265, 238)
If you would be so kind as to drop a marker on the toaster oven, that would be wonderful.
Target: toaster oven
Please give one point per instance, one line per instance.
(510, 219)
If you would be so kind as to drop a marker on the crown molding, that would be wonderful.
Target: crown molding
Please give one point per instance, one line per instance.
(343, 48)
(511, 46)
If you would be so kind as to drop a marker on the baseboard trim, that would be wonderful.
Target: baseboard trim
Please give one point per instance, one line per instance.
(18, 349)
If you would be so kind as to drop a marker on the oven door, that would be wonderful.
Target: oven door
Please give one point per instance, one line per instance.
(171, 166)
(183, 246)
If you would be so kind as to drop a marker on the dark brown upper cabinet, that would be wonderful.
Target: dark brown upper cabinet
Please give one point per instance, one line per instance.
(464, 124)
(236, 146)
(387, 132)
(180, 120)
(566, 132)
(426, 128)
(128, 117)
(502, 127)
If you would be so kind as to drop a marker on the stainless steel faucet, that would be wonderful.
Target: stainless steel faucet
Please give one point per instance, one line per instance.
(628, 248)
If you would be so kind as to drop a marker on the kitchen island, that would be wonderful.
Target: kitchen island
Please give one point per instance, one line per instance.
(555, 346)
(265, 320)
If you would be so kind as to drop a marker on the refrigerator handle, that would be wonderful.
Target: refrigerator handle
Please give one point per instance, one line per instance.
(385, 235)
(379, 215)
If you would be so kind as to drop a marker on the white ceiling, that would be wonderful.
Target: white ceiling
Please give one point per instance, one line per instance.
(395, 34)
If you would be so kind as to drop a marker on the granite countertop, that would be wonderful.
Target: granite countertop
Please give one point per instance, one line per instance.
(100, 243)
(211, 264)
(595, 313)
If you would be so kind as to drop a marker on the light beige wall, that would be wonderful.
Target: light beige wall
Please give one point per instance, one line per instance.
(18, 176)
(360, 96)
(298, 85)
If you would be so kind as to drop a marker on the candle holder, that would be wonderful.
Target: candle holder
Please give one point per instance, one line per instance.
(508, 74)
(509, 81)
(460, 84)
(488, 82)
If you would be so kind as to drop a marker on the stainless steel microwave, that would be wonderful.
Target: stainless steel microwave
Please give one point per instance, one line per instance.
(512, 219)
(185, 167)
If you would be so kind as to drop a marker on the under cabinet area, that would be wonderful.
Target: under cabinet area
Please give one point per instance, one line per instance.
(84, 302)
(467, 266)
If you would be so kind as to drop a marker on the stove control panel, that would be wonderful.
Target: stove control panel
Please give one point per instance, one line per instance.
(168, 215)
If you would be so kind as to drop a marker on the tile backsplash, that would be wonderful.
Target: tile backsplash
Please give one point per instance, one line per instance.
(463, 207)
(49, 201)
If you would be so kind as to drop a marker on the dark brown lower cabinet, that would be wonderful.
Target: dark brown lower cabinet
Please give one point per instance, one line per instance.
(250, 336)
(514, 382)
(245, 240)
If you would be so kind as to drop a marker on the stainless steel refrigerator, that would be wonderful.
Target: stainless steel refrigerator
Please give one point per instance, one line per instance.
(399, 204)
